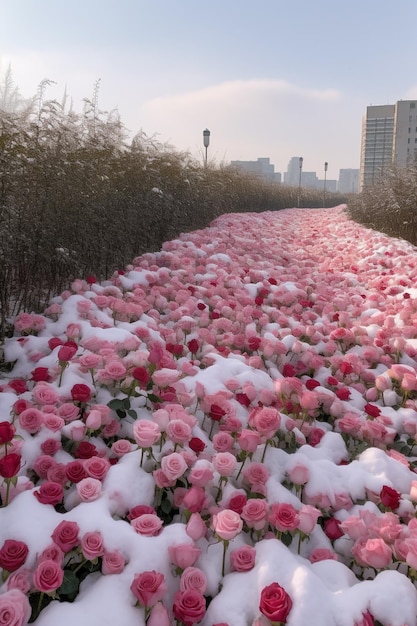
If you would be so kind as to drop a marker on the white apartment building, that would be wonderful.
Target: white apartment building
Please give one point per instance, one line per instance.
(348, 180)
(261, 167)
(389, 137)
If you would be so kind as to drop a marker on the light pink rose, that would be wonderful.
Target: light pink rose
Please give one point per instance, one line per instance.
(115, 370)
(146, 433)
(92, 545)
(93, 420)
(189, 606)
(183, 555)
(248, 440)
(147, 525)
(242, 559)
(224, 463)
(48, 576)
(201, 474)
(372, 552)
(158, 616)
(121, 447)
(31, 420)
(22, 580)
(69, 412)
(53, 422)
(354, 527)
(256, 473)
(194, 500)
(193, 578)
(15, 609)
(165, 377)
(89, 489)
(196, 527)
(44, 393)
(322, 554)
(52, 553)
(223, 442)
(113, 563)
(227, 524)
(299, 474)
(178, 431)
(266, 421)
(307, 518)
(173, 465)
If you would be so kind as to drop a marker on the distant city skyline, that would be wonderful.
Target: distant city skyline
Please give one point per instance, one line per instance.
(271, 78)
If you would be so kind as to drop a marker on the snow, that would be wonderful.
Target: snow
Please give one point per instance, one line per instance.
(345, 477)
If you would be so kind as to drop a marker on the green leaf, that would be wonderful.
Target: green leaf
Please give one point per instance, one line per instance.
(132, 413)
(166, 506)
(115, 404)
(70, 584)
(286, 538)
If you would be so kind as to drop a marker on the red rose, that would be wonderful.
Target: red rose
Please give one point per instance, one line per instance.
(254, 343)
(189, 606)
(141, 374)
(18, 385)
(216, 412)
(343, 393)
(75, 471)
(196, 444)
(243, 399)
(390, 497)
(372, 410)
(13, 554)
(50, 493)
(288, 370)
(175, 348)
(312, 383)
(193, 346)
(54, 342)
(332, 528)
(315, 436)
(86, 450)
(40, 374)
(7, 431)
(81, 393)
(65, 353)
(275, 603)
(10, 465)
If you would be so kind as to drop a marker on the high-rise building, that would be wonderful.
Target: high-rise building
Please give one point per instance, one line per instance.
(389, 137)
(348, 181)
(262, 167)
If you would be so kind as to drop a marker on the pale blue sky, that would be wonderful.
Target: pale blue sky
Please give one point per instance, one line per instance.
(268, 78)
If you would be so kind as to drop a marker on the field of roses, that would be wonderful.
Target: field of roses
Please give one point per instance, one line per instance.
(223, 433)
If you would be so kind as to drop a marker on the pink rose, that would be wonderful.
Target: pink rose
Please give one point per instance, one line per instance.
(173, 465)
(48, 576)
(227, 524)
(322, 554)
(298, 474)
(189, 606)
(255, 512)
(148, 587)
(193, 578)
(89, 489)
(65, 535)
(113, 563)
(223, 442)
(200, 475)
(275, 603)
(196, 527)
(146, 433)
(97, 467)
(224, 463)
(147, 525)
(242, 559)
(284, 517)
(158, 616)
(256, 473)
(15, 609)
(21, 580)
(307, 518)
(52, 553)
(121, 447)
(178, 431)
(31, 420)
(372, 552)
(183, 555)
(266, 421)
(92, 545)
(194, 499)
(248, 440)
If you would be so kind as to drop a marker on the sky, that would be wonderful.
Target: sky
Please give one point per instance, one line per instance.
(269, 78)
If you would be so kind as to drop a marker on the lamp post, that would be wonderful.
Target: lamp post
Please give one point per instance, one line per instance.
(326, 165)
(206, 142)
(300, 165)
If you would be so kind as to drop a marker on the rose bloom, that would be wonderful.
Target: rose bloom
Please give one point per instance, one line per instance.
(390, 497)
(92, 545)
(147, 525)
(266, 421)
(158, 616)
(146, 433)
(196, 444)
(89, 489)
(69, 412)
(113, 563)
(148, 587)
(332, 528)
(173, 465)
(15, 609)
(248, 440)
(85, 450)
(256, 473)
(52, 553)
(307, 518)
(224, 463)
(140, 509)
(21, 580)
(121, 447)
(81, 393)
(51, 446)
(223, 442)
(53, 422)
(194, 500)
(75, 471)
(97, 467)
(242, 559)
(298, 474)
(49, 493)
(10, 465)
(284, 516)
(372, 552)
(44, 393)
(322, 554)
(178, 431)
(193, 578)
(227, 524)
(201, 474)
(254, 513)
(184, 555)
(189, 607)
(275, 603)
(65, 535)
(31, 420)
(13, 554)
(48, 576)
(7, 432)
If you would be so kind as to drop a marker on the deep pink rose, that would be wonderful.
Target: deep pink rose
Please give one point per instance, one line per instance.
(283, 516)
(242, 559)
(194, 499)
(75, 471)
(390, 497)
(7, 432)
(140, 509)
(189, 607)
(275, 603)
(148, 587)
(196, 444)
(65, 535)
(48, 576)
(10, 465)
(332, 528)
(49, 493)
(13, 554)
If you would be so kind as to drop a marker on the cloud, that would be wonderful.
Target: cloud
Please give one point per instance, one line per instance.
(254, 118)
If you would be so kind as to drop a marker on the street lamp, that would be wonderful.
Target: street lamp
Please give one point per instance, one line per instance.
(206, 142)
(326, 165)
(300, 164)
